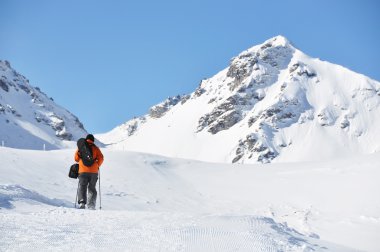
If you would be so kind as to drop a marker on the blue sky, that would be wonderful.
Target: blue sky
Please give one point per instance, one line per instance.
(107, 61)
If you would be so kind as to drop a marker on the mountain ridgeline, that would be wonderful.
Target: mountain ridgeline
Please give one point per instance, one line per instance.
(272, 103)
(29, 119)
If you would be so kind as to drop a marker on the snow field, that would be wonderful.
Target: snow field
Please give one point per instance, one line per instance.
(154, 203)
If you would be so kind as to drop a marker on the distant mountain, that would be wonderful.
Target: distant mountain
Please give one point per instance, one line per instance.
(29, 119)
(272, 103)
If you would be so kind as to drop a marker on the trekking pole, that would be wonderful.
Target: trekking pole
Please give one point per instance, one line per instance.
(76, 197)
(100, 193)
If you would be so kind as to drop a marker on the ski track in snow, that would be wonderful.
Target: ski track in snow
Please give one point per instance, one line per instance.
(62, 229)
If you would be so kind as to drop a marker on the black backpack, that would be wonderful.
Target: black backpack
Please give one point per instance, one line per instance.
(74, 170)
(85, 152)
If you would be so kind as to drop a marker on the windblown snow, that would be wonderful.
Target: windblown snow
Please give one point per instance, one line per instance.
(154, 203)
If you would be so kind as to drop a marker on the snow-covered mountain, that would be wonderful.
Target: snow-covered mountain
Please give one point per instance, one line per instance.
(31, 120)
(272, 103)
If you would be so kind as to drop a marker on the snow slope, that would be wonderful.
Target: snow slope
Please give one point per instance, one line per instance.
(272, 103)
(31, 120)
(154, 203)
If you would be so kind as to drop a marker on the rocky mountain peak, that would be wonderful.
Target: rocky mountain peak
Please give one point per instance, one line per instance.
(29, 118)
(279, 40)
(271, 103)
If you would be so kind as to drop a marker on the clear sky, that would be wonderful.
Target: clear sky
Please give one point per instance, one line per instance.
(107, 61)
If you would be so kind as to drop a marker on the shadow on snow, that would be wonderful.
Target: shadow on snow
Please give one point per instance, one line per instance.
(11, 193)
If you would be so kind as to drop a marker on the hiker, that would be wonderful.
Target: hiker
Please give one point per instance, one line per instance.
(88, 175)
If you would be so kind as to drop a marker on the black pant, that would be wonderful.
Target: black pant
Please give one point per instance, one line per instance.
(87, 180)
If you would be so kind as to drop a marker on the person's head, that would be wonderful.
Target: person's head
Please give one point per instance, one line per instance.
(90, 137)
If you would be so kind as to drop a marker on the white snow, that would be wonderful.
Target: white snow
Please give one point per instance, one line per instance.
(154, 203)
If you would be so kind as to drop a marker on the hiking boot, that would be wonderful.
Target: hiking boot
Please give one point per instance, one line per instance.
(82, 206)
(90, 207)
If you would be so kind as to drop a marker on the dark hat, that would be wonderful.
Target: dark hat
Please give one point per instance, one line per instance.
(90, 137)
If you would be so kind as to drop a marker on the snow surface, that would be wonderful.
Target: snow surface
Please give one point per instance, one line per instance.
(154, 203)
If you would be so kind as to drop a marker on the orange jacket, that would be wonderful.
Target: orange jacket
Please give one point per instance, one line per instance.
(97, 156)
